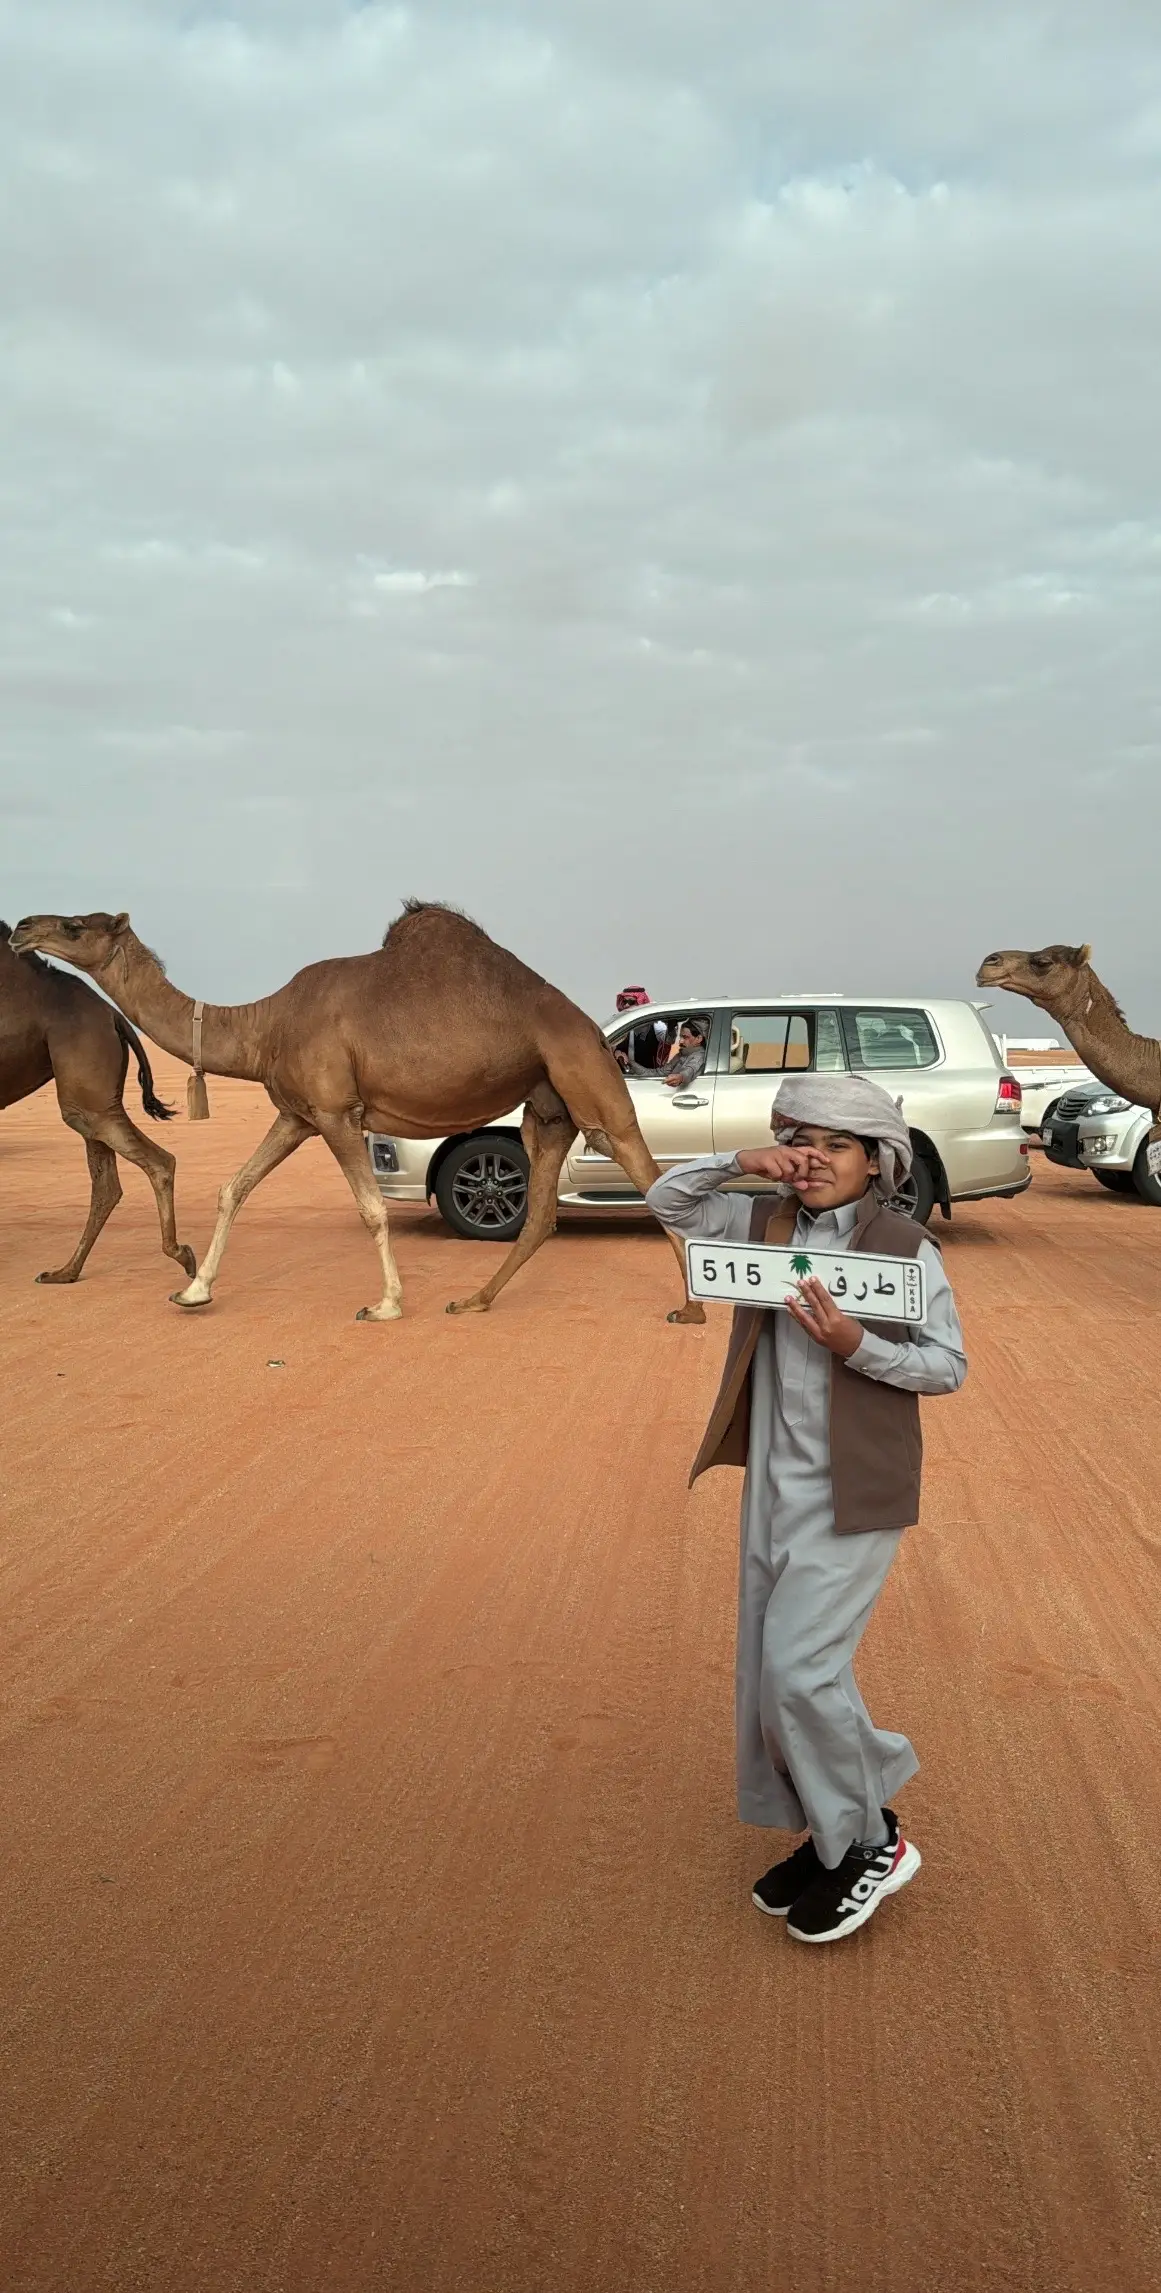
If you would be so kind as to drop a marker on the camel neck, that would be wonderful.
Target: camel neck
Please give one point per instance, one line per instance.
(231, 1033)
(1095, 1027)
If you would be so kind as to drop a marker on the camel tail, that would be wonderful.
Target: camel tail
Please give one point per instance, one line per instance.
(149, 1099)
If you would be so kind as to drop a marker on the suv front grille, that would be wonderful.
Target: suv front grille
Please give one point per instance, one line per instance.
(1073, 1104)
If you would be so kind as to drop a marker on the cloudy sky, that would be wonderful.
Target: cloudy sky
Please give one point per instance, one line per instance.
(683, 483)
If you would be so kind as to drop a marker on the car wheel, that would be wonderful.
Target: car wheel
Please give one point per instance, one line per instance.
(1117, 1181)
(1148, 1188)
(482, 1188)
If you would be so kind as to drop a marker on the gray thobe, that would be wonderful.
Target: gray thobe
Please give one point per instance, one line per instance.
(809, 1756)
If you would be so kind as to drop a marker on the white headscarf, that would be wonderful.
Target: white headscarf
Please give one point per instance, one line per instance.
(851, 1103)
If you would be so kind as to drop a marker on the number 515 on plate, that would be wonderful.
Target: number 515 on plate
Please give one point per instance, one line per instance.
(762, 1274)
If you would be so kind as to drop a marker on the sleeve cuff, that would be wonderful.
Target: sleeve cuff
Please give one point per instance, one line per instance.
(875, 1353)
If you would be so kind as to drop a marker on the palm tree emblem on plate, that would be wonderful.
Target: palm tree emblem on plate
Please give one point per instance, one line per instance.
(800, 1263)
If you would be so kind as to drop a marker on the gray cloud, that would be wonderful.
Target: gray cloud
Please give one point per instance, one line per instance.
(685, 488)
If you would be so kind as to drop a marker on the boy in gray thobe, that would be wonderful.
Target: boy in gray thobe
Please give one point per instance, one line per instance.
(814, 1439)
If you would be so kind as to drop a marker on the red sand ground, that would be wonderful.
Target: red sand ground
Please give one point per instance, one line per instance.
(373, 1910)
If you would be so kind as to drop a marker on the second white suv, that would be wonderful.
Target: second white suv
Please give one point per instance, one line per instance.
(1095, 1129)
(961, 1103)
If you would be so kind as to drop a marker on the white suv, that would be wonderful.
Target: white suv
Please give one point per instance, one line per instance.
(1095, 1129)
(962, 1105)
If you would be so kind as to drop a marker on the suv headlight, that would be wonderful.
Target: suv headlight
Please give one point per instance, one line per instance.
(1110, 1104)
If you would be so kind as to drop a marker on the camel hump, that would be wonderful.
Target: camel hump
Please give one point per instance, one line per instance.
(429, 931)
(432, 925)
(430, 944)
(485, 989)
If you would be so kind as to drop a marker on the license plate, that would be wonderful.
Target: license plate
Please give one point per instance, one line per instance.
(763, 1274)
(1153, 1158)
(1046, 1133)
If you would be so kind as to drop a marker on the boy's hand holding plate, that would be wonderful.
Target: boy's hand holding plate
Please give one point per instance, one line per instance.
(815, 1311)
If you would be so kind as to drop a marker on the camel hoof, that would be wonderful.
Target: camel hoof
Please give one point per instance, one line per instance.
(692, 1312)
(179, 1298)
(467, 1306)
(187, 1260)
(62, 1275)
(379, 1314)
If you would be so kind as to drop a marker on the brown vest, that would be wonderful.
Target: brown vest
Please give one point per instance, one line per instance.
(876, 1447)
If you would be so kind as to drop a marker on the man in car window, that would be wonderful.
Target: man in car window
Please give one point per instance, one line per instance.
(689, 1058)
(684, 1060)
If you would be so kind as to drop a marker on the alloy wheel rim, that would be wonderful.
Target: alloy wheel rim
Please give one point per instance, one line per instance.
(490, 1190)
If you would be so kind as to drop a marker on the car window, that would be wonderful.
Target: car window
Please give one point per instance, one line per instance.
(890, 1038)
(768, 1042)
(638, 1030)
(649, 1042)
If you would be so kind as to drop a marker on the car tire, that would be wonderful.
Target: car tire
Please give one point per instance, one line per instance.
(481, 1188)
(1148, 1188)
(924, 1182)
(1117, 1181)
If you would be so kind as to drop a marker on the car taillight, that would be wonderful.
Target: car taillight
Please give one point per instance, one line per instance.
(1010, 1096)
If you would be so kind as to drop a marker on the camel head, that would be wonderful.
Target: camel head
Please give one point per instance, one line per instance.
(87, 942)
(1049, 976)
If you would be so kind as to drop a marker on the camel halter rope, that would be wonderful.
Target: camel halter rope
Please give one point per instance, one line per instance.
(196, 1097)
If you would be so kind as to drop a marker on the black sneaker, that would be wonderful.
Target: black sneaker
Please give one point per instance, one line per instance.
(779, 1888)
(839, 1901)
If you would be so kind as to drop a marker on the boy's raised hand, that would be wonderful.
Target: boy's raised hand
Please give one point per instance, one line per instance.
(784, 1164)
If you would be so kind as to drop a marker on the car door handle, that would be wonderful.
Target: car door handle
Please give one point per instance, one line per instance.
(686, 1099)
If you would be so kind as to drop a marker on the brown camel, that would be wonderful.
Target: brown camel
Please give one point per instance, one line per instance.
(1061, 980)
(438, 1030)
(54, 1029)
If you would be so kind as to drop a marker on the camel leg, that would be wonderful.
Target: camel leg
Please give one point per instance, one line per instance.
(104, 1197)
(546, 1144)
(344, 1136)
(631, 1152)
(116, 1131)
(281, 1139)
